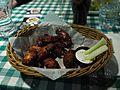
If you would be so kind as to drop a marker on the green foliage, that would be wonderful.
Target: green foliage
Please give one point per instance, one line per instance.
(96, 4)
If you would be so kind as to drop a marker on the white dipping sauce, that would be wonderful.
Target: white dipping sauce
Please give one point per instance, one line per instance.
(80, 56)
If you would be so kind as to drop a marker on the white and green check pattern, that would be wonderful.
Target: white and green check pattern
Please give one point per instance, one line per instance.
(11, 79)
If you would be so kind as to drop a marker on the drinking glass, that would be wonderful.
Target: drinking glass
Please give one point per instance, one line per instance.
(7, 27)
(80, 10)
(109, 16)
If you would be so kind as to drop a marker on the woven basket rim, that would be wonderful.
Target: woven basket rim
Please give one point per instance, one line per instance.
(15, 61)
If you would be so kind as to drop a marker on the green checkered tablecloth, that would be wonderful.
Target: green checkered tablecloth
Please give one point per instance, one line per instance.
(11, 79)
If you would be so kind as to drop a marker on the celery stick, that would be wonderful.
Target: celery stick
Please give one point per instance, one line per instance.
(97, 45)
(96, 52)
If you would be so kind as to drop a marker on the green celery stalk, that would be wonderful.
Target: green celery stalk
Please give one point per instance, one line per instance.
(96, 52)
(97, 45)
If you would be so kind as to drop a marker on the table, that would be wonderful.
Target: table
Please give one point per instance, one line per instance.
(107, 78)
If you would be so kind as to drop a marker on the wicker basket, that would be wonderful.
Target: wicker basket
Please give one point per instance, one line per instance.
(86, 31)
